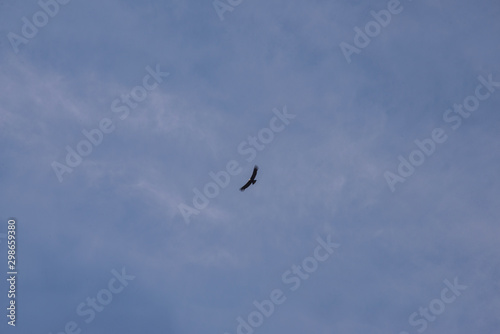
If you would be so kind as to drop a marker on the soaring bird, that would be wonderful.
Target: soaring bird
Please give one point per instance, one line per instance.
(252, 178)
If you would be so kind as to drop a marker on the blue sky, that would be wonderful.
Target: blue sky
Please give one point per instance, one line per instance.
(322, 175)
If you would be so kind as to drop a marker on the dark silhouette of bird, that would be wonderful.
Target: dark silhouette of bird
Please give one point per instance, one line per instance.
(252, 179)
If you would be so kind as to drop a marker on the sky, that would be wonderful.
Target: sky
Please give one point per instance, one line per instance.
(128, 127)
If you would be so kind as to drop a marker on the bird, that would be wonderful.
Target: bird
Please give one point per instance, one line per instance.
(252, 179)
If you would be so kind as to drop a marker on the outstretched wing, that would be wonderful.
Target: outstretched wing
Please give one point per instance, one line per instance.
(252, 178)
(254, 174)
(246, 185)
